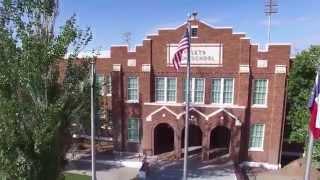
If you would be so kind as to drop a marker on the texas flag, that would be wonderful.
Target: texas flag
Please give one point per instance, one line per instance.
(314, 104)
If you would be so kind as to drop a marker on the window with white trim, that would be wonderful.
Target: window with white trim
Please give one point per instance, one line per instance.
(133, 129)
(194, 31)
(108, 85)
(100, 84)
(133, 89)
(222, 91)
(260, 92)
(165, 89)
(196, 90)
(256, 137)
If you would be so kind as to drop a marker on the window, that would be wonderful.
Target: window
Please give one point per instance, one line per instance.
(259, 92)
(108, 85)
(256, 137)
(165, 89)
(109, 124)
(100, 84)
(194, 31)
(133, 89)
(227, 91)
(196, 90)
(216, 91)
(133, 130)
(222, 91)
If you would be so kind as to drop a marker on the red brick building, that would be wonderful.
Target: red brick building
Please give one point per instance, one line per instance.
(238, 95)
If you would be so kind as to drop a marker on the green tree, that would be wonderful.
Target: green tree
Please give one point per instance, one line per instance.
(301, 79)
(37, 102)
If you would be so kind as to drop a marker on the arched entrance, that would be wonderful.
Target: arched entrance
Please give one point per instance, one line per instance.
(194, 138)
(219, 141)
(163, 138)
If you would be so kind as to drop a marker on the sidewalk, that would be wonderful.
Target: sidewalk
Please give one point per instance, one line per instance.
(197, 170)
(109, 166)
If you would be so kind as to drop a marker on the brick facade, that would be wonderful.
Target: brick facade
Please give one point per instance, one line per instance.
(239, 61)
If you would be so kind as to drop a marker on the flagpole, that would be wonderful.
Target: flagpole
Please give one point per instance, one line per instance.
(186, 130)
(309, 157)
(93, 150)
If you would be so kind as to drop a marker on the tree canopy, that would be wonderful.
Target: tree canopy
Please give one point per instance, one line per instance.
(37, 104)
(301, 79)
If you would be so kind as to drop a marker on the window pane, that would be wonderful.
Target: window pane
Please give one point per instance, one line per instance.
(100, 84)
(171, 89)
(194, 32)
(256, 136)
(109, 84)
(216, 90)
(133, 129)
(227, 90)
(198, 90)
(160, 91)
(185, 90)
(133, 88)
(259, 91)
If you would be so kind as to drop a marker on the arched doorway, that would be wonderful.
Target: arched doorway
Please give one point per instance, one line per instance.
(163, 138)
(219, 141)
(194, 139)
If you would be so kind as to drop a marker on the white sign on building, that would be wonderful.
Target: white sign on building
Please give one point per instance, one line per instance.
(200, 54)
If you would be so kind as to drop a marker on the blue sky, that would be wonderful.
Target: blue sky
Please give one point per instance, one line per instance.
(297, 21)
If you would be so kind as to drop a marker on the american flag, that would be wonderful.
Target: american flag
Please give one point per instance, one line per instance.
(314, 105)
(183, 45)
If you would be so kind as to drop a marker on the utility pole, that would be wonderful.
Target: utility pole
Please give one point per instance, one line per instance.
(271, 7)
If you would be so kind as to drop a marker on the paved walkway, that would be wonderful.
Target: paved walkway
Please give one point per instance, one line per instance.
(109, 166)
(172, 170)
(115, 167)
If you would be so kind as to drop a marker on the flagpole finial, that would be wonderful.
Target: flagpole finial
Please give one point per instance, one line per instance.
(194, 15)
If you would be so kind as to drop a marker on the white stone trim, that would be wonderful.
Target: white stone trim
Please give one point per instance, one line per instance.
(261, 164)
(146, 68)
(280, 69)
(119, 45)
(178, 116)
(237, 121)
(279, 44)
(194, 109)
(255, 149)
(231, 106)
(149, 117)
(214, 27)
(244, 68)
(132, 101)
(132, 62)
(239, 33)
(116, 67)
(245, 38)
(198, 65)
(262, 63)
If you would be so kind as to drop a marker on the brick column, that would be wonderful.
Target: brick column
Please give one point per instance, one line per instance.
(242, 132)
(117, 107)
(277, 117)
(235, 143)
(177, 142)
(205, 143)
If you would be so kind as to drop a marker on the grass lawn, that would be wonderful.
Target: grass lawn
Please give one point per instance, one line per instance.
(69, 176)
